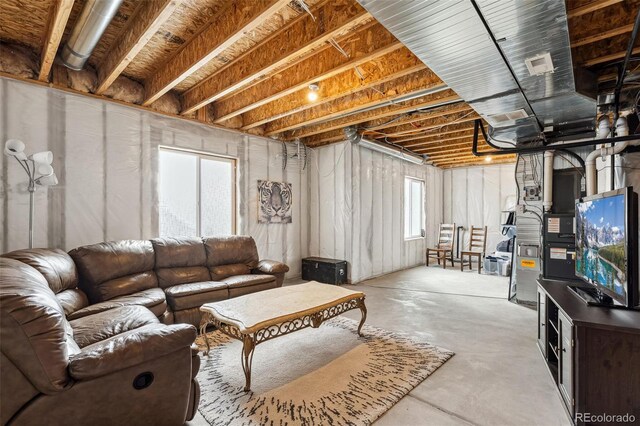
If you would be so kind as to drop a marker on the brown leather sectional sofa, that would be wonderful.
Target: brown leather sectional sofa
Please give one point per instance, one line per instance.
(90, 337)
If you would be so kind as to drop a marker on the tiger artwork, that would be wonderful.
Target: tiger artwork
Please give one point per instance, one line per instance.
(274, 202)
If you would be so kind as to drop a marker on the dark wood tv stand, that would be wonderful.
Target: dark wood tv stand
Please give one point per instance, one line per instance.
(593, 353)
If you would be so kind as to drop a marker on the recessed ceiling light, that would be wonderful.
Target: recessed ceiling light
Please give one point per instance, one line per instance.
(487, 158)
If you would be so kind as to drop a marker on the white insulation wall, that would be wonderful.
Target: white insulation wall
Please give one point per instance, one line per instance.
(356, 209)
(106, 159)
(477, 196)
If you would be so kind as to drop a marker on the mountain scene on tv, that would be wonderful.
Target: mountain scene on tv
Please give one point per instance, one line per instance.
(600, 245)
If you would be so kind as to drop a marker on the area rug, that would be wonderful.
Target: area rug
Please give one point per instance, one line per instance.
(324, 376)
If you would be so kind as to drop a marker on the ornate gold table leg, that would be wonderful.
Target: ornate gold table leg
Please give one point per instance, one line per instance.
(248, 345)
(204, 322)
(363, 309)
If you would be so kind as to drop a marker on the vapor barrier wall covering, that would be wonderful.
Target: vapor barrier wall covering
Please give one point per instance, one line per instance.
(106, 159)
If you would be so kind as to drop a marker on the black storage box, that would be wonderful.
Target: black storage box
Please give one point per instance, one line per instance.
(329, 271)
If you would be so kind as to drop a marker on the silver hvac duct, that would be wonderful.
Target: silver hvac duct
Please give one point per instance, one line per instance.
(510, 60)
(94, 19)
(353, 136)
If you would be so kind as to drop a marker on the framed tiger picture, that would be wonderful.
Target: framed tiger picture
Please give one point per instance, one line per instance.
(274, 202)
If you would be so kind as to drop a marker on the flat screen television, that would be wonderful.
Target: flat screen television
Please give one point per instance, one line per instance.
(606, 243)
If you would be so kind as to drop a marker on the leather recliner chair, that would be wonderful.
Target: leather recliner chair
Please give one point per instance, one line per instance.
(119, 366)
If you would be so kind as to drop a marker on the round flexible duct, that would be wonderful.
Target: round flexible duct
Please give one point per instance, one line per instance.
(94, 19)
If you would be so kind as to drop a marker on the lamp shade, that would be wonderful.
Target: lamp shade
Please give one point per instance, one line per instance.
(15, 148)
(49, 180)
(44, 169)
(43, 157)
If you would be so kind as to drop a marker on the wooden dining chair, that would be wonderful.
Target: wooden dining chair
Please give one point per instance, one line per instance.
(477, 248)
(444, 248)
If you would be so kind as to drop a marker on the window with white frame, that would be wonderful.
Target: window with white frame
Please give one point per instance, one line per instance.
(413, 208)
(197, 193)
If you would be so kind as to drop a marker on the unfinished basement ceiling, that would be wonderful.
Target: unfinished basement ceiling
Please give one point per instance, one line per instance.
(248, 64)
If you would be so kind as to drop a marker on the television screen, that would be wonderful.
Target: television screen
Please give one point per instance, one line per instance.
(601, 245)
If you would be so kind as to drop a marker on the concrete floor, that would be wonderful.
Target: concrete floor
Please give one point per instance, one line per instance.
(497, 376)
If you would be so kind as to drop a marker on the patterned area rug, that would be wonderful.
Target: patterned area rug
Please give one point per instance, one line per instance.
(321, 376)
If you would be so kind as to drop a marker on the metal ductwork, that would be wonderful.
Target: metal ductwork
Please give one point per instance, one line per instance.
(508, 59)
(94, 19)
(352, 135)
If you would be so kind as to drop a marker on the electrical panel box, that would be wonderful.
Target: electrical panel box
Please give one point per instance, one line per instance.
(532, 193)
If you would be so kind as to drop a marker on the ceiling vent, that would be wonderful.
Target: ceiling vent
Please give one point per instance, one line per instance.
(540, 64)
(506, 119)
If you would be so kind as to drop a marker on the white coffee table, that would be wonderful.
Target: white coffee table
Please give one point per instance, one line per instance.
(258, 317)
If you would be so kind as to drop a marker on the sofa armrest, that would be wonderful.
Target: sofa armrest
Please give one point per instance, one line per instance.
(130, 348)
(271, 267)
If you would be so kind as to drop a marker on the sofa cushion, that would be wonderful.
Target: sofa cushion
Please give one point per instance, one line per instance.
(34, 332)
(115, 268)
(153, 299)
(247, 280)
(194, 295)
(231, 250)
(55, 265)
(168, 277)
(179, 252)
(224, 271)
(104, 325)
(72, 300)
(241, 291)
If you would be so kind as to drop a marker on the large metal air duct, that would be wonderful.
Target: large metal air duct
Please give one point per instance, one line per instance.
(94, 19)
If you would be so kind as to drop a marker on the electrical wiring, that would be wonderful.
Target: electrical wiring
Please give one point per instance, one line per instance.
(570, 161)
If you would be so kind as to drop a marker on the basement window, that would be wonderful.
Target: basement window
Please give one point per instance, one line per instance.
(414, 217)
(197, 194)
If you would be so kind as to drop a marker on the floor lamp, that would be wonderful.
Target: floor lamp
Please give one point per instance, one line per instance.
(38, 169)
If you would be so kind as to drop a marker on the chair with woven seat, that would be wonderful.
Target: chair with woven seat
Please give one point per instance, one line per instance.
(477, 248)
(444, 248)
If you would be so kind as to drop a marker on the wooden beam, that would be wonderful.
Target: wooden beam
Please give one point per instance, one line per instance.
(425, 102)
(141, 26)
(603, 35)
(417, 116)
(366, 44)
(478, 161)
(466, 157)
(457, 147)
(55, 29)
(241, 17)
(301, 37)
(434, 156)
(454, 129)
(591, 7)
(392, 66)
(386, 94)
(608, 58)
(432, 125)
(433, 144)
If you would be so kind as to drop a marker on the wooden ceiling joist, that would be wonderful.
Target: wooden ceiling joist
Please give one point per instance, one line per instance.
(386, 93)
(477, 161)
(385, 69)
(425, 102)
(57, 23)
(146, 21)
(328, 63)
(241, 17)
(467, 156)
(453, 130)
(465, 145)
(591, 7)
(608, 58)
(432, 126)
(296, 40)
(417, 116)
(603, 35)
(441, 141)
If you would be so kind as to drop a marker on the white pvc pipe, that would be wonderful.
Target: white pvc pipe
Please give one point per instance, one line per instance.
(590, 163)
(548, 181)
